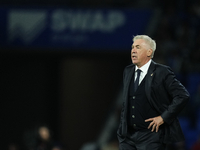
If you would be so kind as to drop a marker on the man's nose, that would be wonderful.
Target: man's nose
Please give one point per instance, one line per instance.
(133, 50)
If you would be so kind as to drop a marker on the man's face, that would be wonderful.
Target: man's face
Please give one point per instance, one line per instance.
(140, 53)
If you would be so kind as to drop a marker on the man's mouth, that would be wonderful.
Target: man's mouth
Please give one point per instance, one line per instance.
(133, 57)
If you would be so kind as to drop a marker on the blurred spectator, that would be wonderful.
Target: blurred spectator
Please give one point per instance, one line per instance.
(39, 138)
(44, 139)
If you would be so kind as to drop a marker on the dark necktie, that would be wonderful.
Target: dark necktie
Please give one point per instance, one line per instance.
(137, 79)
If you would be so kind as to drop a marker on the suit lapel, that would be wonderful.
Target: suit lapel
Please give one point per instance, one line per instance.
(149, 78)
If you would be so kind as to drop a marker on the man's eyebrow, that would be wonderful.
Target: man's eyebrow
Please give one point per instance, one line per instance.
(136, 46)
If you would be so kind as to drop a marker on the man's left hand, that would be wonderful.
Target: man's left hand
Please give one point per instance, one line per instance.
(155, 123)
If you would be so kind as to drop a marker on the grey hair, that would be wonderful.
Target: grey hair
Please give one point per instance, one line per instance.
(149, 41)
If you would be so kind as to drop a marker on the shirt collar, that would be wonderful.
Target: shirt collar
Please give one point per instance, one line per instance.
(145, 67)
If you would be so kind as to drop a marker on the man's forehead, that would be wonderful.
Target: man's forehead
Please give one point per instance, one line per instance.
(139, 42)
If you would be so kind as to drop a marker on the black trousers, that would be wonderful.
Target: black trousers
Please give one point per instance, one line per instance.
(143, 140)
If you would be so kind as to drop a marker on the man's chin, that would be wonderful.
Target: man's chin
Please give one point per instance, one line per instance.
(134, 62)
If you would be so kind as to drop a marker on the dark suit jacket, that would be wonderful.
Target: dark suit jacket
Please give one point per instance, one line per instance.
(165, 94)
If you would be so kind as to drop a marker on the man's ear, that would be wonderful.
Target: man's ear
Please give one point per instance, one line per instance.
(149, 52)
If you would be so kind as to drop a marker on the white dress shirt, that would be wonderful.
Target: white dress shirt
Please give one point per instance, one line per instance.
(144, 70)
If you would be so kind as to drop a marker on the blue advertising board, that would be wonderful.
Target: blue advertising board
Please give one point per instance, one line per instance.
(72, 28)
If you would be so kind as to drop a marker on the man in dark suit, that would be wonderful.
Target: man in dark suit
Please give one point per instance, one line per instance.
(152, 99)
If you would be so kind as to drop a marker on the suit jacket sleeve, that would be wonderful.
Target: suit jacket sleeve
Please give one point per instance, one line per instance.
(179, 96)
